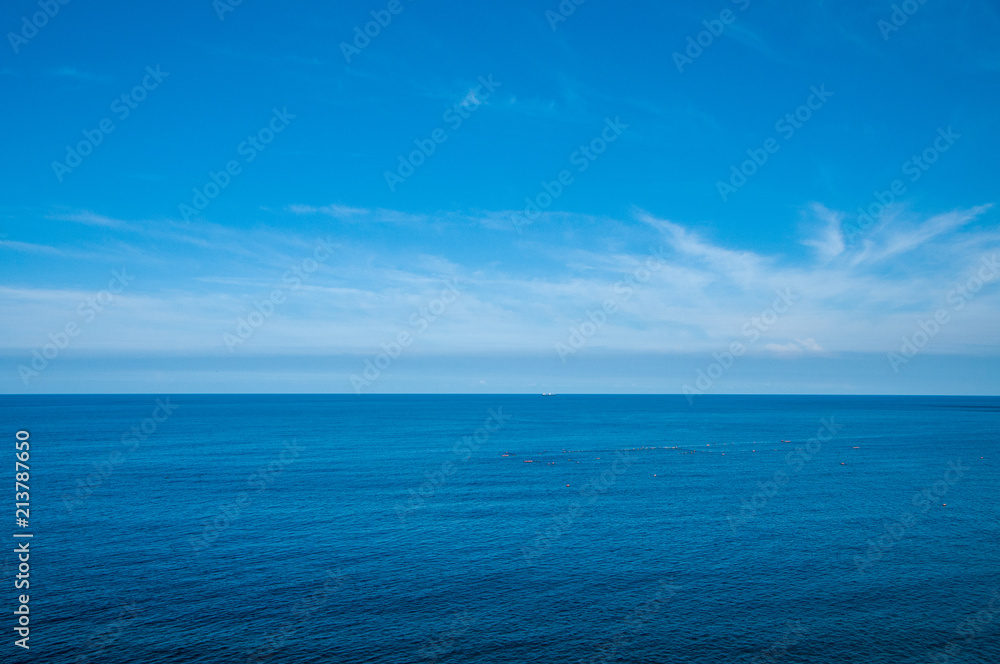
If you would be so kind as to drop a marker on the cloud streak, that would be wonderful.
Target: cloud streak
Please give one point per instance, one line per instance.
(194, 280)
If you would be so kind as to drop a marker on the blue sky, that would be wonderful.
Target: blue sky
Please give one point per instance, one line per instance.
(629, 158)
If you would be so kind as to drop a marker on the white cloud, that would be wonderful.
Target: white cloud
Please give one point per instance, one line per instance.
(901, 237)
(195, 279)
(809, 344)
(829, 243)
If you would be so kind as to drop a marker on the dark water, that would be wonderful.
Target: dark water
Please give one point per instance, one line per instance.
(392, 529)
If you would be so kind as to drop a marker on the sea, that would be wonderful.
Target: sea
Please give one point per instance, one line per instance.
(504, 528)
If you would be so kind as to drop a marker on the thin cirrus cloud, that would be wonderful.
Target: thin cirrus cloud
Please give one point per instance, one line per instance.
(829, 241)
(196, 280)
(79, 75)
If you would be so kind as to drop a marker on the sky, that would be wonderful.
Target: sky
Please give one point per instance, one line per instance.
(514, 197)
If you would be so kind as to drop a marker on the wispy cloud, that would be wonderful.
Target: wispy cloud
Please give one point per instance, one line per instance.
(829, 243)
(742, 267)
(79, 75)
(195, 279)
(345, 213)
(30, 248)
(91, 219)
(796, 347)
(902, 237)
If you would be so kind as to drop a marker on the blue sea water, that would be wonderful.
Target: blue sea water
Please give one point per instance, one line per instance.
(473, 529)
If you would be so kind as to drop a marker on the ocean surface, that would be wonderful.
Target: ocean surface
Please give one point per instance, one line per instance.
(468, 529)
